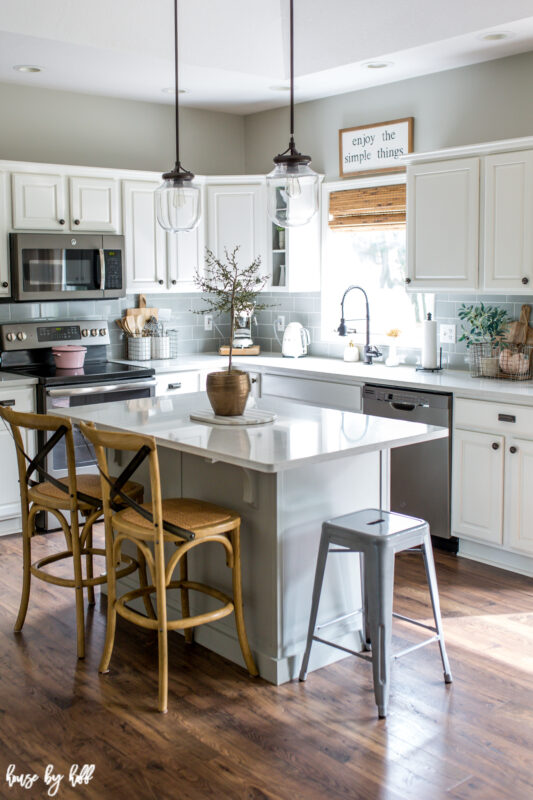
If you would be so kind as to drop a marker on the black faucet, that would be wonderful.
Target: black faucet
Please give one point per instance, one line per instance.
(369, 351)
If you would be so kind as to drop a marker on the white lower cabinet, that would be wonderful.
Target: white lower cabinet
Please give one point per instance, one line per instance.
(171, 383)
(492, 500)
(20, 399)
(478, 461)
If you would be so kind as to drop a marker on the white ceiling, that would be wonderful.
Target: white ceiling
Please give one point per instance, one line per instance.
(233, 51)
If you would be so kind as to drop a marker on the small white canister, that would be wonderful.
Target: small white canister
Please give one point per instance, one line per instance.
(160, 347)
(139, 348)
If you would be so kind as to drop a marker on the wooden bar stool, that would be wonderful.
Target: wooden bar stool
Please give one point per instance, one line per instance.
(185, 523)
(377, 536)
(77, 494)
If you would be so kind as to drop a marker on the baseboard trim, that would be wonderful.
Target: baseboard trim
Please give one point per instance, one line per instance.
(496, 557)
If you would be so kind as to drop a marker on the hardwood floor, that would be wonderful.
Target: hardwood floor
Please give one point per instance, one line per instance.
(230, 736)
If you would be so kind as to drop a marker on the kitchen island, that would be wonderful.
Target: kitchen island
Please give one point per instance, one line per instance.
(284, 478)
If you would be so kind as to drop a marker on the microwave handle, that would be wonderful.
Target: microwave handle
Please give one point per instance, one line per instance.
(102, 268)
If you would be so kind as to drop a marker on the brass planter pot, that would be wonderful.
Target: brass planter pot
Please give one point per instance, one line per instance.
(228, 392)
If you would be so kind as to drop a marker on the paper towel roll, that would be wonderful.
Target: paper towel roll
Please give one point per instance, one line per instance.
(429, 344)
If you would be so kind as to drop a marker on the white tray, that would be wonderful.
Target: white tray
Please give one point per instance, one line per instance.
(252, 417)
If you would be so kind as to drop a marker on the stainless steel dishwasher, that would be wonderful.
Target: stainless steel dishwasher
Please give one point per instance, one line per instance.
(420, 473)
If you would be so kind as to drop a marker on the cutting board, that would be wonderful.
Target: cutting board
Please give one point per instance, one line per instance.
(142, 311)
(520, 331)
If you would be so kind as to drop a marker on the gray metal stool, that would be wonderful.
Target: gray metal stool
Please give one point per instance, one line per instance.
(377, 536)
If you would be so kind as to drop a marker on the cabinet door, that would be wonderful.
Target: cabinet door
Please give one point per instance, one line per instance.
(185, 258)
(146, 246)
(39, 201)
(443, 225)
(519, 495)
(477, 494)
(5, 289)
(94, 204)
(508, 232)
(236, 215)
(20, 400)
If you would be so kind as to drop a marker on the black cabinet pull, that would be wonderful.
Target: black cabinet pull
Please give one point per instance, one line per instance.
(7, 403)
(525, 281)
(76, 222)
(408, 280)
(495, 446)
(513, 449)
(5, 284)
(61, 221)
(174, 281)
(506, 418)
(161, 281)
(174, 385)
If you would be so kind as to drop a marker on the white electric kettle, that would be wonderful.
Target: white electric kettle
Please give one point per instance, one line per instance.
(295, 340)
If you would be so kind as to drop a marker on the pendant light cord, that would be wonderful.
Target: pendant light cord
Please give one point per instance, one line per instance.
(291, 37)
(176, 108)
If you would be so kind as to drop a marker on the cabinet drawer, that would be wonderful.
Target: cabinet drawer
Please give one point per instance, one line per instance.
(170, 383)
(498, 417)
(19, 399)
(322, 393)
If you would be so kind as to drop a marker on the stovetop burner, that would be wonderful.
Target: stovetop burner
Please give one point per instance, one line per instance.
(49, 375)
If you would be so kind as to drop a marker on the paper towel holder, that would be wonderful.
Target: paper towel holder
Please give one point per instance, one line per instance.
(440, 368)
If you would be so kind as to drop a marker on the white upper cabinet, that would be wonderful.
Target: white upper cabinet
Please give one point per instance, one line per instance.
(185, 258)
(508, 222)
(94, 204)
(146, 241)
(236, 215)
(443, 225)
(39, 201)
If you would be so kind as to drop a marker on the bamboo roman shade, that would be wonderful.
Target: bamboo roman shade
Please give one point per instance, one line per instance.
(381, 207)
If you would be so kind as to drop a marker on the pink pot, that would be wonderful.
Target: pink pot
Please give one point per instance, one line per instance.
(69, 356)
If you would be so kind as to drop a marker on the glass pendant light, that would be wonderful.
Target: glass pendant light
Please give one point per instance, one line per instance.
(292, 186)
(178, 205)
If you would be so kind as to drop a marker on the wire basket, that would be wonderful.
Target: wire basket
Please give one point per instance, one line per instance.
(510, 362)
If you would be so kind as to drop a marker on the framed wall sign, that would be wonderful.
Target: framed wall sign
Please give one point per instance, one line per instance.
(375, 148)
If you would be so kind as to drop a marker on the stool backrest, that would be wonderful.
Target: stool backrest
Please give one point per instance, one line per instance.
(46, 423)
(126, 442)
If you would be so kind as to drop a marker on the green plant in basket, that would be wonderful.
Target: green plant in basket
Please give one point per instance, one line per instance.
(483, 324)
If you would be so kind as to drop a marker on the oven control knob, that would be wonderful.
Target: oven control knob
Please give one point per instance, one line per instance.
(21, 336)
(10, 337)
(103, 331)
(85, 332)
(94, 331)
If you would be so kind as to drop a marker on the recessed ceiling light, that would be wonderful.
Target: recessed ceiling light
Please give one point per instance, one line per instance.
(280, 88)
(27, 68)
(171, 90)
(495, 36)
(377, 64)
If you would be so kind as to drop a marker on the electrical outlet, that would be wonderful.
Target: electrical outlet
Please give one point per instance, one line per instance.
(208, 322)
(280, 323)
(448, 334)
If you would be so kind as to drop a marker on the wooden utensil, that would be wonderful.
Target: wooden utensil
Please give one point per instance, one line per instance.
(142, 312)
(519, 330)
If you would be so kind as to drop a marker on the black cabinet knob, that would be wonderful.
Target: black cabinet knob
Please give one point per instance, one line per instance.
(174, 282)
(525, 281)
(408, 280)
(76, 222)
(5, 284)
(161, 281)
(495, 446)
(61, 221)
(513, 449)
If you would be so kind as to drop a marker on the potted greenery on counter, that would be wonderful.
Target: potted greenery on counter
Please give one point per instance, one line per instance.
(484, 331)
(233, 289)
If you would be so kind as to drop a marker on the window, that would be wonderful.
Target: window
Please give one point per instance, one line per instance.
(365, 246)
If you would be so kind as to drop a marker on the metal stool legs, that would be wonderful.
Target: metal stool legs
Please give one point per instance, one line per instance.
(317, 589)
(429, 563)
(379, 575)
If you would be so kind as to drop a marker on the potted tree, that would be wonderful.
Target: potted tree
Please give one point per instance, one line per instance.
(233, 289)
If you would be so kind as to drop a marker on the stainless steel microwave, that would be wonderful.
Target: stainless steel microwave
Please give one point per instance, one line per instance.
(50, 266)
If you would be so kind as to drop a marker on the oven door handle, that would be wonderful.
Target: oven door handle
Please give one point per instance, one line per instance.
(102, 268)
(113, 387)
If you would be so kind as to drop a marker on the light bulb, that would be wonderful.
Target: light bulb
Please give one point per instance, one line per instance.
(178, 198)
(292, 187)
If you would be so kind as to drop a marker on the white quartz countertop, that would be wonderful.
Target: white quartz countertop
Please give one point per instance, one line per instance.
(457, 382)
(301, 434)
(9, 380)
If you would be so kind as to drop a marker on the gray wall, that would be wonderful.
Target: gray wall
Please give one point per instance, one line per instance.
(473, 104)
(55, 127)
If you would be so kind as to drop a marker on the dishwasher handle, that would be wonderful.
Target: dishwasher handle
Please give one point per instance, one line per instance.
(402, 406)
